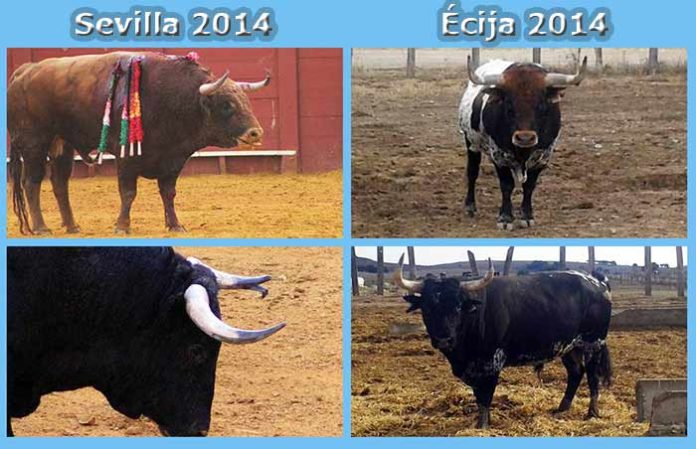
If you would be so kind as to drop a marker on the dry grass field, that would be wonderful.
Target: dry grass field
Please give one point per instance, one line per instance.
(619, 170)
(401, 386)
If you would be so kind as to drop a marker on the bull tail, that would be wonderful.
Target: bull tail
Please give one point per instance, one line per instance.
(18, 198)
(604, 369)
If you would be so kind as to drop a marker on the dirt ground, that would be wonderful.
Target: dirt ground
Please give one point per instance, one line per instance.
(290, 384)
(619, 170)
(401, 386)
(230, 206)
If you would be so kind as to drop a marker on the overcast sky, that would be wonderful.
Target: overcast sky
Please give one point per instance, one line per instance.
(433, 255)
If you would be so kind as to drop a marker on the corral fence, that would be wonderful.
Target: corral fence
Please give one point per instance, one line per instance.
(668, 281)
(644, 60)
(300, 111)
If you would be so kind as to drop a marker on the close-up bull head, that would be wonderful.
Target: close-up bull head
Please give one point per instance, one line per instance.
(444, 303)
(231, 121)
(524, 100)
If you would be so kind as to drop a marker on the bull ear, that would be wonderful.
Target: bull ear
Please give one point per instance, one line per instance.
(414, 301)
(555, 94)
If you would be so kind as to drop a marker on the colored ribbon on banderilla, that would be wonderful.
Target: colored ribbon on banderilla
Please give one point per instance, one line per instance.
(131, 132)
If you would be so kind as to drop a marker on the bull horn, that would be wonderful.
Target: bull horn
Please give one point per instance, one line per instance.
(411, 286)
(493, 79)
(198, 309)
(482, 283)
(563, 80)
(233, 281)
(255, 86)
(210, 88)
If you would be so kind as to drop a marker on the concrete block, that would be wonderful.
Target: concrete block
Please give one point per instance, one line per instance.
(653, 318)
(648, 389)
(668, 413)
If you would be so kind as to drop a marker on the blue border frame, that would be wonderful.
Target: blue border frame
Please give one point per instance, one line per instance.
(359, 23)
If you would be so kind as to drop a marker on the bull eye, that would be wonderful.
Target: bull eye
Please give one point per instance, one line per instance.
(227, 109)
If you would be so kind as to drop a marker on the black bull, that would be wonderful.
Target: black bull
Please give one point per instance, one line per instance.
(485, 325)
(141, 325)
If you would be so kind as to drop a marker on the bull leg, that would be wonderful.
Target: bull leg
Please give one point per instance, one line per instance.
(507, 185)
(472, 170)
(574, 365)
(527, 192)
(60, 176)
(128, 189)
(34, 172)
(9, 427)
(483, 391)
(167, 188)
(592, 363)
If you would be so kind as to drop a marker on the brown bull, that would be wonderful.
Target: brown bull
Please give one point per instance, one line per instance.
(55, 108)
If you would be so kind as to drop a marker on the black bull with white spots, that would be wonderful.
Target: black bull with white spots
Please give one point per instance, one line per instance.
(141, 325)
(510, 111)
(485, 325)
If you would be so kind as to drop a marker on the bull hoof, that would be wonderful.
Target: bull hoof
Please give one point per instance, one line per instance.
(73, 229)
(43, 231)
(177, 228)
(526, 223)
(121, 231)
(563, 407)
(592, 415)
(470, 210)
(506, 225)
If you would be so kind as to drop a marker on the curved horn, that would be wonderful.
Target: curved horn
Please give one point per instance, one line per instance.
(255, 86)
(198, 309)
(210, 88)
(232, 281)
(562, 80)
(480, 283)
(489, 80)
(411, 286)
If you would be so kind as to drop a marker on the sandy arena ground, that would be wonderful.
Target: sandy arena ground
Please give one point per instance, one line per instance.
(230, 206)
(290, 384)
(401, 386)
(619, 170)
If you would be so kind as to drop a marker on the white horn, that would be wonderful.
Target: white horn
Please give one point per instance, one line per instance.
(255, 86)
(480, 283)
(411, 286)
(488, 80)
(198, 309)
(562, 80)
(210, 88)
(233, 281)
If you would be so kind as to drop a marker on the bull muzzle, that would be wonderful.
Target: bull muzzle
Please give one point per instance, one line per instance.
(525, 138)
(253, 136)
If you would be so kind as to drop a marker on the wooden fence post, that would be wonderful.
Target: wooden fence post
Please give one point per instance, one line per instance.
(475, 57)
(648, 272)
(472, 263)
(599, 60)
(536, 55)
(680, 272)
(411, 262)
(354, 271)
(591, 257)
(508, 261)
(380, 270)
(652, 60)
(562, 258)
(410, 63)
